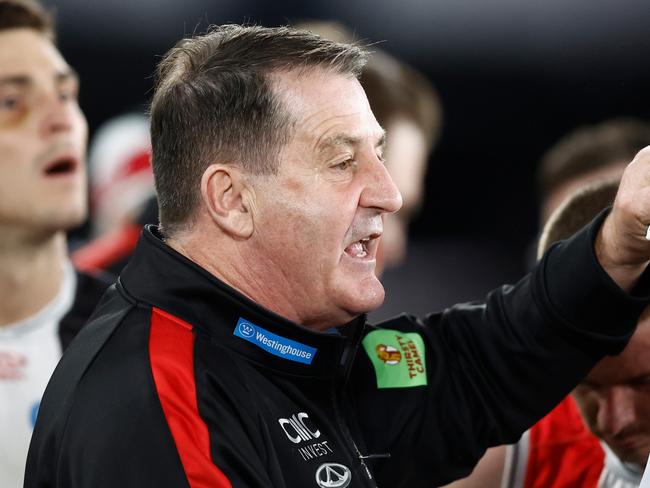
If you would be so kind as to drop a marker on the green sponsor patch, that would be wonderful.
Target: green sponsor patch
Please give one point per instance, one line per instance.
(398, 358)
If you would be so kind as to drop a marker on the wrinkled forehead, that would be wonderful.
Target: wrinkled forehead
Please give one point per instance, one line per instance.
(322, 102)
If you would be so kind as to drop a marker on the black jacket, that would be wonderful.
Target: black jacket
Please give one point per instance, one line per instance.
(90, 288)
(180, 381)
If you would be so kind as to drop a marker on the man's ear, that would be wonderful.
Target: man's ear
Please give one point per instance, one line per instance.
(224, 189)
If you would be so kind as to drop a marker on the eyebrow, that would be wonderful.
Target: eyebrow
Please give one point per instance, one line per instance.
(26, 80)
(347, 140)
(15, 80)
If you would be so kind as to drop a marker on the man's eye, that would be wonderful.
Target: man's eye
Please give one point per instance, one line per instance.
(347, 164)
(67, 95)
(9, 103)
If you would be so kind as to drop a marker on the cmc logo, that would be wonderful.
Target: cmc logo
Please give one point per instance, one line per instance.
(246, 329)
(297, 430)
(333, 475)
(388, 354)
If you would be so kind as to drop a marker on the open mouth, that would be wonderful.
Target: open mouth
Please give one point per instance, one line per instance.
(363, 248)
(61, 166)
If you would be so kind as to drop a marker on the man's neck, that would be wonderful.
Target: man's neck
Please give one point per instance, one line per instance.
(239, 273)
(31, 273)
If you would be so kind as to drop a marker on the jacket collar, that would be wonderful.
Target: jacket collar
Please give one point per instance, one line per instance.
(160, 277)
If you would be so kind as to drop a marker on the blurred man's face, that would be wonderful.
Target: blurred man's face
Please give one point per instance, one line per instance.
(615, 398)
(42, 136)
(318, 222)
(554, 199)
(406, 160)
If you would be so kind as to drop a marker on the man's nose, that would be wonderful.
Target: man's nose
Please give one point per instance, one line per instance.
(616, 411)
(58, 114)
(380, 191)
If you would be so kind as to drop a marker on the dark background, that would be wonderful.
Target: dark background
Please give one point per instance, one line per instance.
(513, 75)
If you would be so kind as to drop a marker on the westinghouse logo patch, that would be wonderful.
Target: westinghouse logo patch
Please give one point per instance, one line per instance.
(398, 358)
(273, 343)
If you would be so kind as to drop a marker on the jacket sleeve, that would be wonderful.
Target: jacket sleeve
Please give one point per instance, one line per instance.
(494, 368)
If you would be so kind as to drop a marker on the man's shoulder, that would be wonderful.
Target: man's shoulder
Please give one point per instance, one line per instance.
(107, 367)
(102, 381)
(90, 287)
(558, 451)
(83, 352)
(562, 425)
(101, 408)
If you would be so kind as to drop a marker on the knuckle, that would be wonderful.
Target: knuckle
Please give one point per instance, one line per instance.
(643, 154)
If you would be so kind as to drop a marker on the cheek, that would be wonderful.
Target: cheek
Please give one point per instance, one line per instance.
(308, 221)
(81, 127)
(289, 233)
(318, 223)
(16, 120)
(315, 236)
(642, 402)
(16, 159)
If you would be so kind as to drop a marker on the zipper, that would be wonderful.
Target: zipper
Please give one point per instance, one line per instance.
(345, 365)
(348, 436)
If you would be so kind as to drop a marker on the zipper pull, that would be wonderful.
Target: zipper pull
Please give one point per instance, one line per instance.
(375, 456)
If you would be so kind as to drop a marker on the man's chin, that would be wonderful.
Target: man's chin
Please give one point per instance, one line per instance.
(637, 457)
(367, 296)
(66, 221)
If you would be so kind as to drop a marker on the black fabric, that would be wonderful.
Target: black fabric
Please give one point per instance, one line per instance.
(90, 288)
(149, 212)
(606, 308)
(493, 369)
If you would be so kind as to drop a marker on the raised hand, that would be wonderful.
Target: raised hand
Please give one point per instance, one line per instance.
(622, 245)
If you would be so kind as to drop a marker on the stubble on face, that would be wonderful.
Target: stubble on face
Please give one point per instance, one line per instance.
(313, 226)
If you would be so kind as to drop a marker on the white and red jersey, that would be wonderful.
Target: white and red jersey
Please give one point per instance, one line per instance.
(560, 452)
(29, 351)
(645, 482)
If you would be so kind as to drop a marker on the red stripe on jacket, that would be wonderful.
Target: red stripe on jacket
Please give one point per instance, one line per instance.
(171, 352)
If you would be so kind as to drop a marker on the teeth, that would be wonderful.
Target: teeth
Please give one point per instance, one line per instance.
(357, 250)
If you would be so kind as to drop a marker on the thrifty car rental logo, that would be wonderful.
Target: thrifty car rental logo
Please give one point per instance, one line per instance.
(274, 344)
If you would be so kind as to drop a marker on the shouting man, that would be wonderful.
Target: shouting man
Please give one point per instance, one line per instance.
(233, 351)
